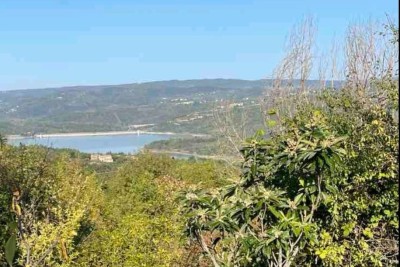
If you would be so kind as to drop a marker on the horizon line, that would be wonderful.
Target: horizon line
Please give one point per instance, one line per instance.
(144, 82)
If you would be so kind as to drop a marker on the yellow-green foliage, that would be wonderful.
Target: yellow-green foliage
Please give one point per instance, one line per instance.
(65, 219)
(135, 240)
(139, 227)
(204, 173)
(54, 197)
(141, 224)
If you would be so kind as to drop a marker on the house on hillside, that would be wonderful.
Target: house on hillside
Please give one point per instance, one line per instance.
(101, 158)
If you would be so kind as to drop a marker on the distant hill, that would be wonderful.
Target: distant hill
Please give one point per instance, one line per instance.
(118, 107)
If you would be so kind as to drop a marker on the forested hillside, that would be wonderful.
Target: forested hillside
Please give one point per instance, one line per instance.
(183, 106)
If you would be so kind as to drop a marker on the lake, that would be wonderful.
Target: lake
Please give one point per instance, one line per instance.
(127, 143)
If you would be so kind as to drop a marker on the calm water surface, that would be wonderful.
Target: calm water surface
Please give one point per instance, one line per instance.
(129, 143)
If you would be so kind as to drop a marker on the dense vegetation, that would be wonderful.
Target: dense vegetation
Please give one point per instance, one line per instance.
(322, 190)
(325, 192)
(58, 210)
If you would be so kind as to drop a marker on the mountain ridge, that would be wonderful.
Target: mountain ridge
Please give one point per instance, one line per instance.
(268, 81)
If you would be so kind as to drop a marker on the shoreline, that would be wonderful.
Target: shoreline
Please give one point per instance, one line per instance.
(79, 134)
(188, 154)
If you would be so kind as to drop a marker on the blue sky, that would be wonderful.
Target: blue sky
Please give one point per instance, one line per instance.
(46, 43)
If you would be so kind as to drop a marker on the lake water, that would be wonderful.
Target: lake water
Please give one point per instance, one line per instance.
(130, 143)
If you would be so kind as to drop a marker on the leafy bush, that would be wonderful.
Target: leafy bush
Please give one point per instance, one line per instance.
(45, 199)
(322, 192)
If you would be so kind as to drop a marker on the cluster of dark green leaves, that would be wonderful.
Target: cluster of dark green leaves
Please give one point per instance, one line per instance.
(269, 214)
